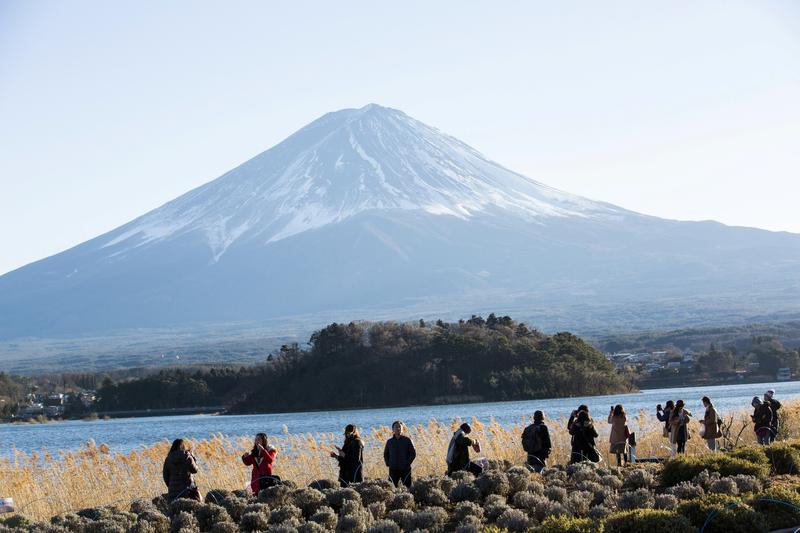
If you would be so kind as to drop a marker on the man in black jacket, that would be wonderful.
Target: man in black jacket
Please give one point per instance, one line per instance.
(398, 455)
(774, 406)
(536, 442)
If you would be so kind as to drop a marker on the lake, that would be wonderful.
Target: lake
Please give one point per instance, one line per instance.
(125, 434)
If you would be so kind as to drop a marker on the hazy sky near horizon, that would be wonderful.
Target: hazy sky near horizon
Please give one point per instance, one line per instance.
(685, 110)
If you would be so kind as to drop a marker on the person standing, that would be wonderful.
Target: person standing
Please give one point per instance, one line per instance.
(663, 416)
(536, 442)
(679, 427)
(762, 420)
(178, 470)
(584, 434)
(350, 457)
(261, 458)
(618, 437)
(774, 406)
(573, 417)
(398, 455)
(711, 424)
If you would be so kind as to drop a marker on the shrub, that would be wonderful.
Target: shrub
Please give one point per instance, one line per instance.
(325, 516)
(377, 510)
(578, 502)
(725, 485)
(747, 483)
(470, 525)
(686, 468)
(158, 522)
(311, 527)
(254, 522)
(519, 477)
(753, 454)
(557, 494)
(464, 492)
(514, 520)
(337, 497)
(612, 482)
(401, 517)
(705, 478)
(720, 513)
(402, 500)
(274, 496)
(373, 492)
(466, 509)
(686, 490)
(284, 513)
(493, 482)
(323, 484)
(225, 527)
(778, 515)
(384, 526)
(429, 519)
(647, 520)
(665, 501)
(599, 512)
(351, 524)
(307, 500)
(783, 459)
(637, 499)
(210, 514)
(563, 524)
(184, 520)
(536, 487)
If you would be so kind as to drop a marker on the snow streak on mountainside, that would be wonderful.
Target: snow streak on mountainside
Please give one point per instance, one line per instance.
(343, 164)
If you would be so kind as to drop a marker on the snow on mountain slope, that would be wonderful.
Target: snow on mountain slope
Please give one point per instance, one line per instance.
(342, 164)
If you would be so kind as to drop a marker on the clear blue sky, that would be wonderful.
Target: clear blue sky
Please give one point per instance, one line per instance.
(687, 110)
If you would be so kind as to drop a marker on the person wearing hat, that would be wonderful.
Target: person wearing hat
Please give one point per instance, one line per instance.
(774, 406)
(762, 420)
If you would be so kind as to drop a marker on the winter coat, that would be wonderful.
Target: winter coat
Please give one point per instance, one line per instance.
(261, 461)
(399, 453)
(679, 425)
(178, 469)
(711, 423)
(664, 417)
(618, 437)
(351, 461)
(536, 439)
(774, 406)
(762, 418)
(583, 446)
(460, 456)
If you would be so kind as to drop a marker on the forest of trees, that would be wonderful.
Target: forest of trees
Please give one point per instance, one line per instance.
(385, 364)
(390, 363)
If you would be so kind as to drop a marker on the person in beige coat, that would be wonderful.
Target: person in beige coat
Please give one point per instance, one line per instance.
(711, 423)
(619, 434)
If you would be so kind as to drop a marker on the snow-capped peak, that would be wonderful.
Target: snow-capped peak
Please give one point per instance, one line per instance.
(342, 164)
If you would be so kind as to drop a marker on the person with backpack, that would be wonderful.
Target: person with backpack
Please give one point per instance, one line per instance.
(458, 451)
(398, 454)
(774, 406)
(261, 458)
(618, 438)
(762, 420)
(536, 442)
(178, 470)
(350, 457)
(712, 424)
(679, 427)
(583, 433)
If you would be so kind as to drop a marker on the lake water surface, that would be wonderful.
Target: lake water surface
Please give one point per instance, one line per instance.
(125, 434)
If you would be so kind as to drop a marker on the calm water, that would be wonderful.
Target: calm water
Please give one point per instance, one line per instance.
(124, 434)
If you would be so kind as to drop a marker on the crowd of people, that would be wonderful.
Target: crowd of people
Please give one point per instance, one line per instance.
(399, 452)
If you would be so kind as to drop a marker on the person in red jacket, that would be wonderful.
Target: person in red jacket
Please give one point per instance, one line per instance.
(260, 458)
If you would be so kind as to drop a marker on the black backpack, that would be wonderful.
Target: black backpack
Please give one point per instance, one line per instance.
(531, 439)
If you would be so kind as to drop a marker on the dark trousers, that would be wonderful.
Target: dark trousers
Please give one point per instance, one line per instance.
(400, 475)
(681, 446)
(537, 461)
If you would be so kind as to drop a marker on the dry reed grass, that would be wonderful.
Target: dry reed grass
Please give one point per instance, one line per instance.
(44, 484)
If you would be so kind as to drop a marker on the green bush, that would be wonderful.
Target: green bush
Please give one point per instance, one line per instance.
(754, 454)
(564, 524)
(778, 515)
(648, 520)
(686, 468)
(720, 513)
(783, 458)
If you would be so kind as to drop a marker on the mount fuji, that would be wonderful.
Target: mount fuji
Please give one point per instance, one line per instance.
(368, 213)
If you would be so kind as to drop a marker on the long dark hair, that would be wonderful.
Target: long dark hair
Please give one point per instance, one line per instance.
(351, 431)
(619, 410)
(260, 437)
(178, 445)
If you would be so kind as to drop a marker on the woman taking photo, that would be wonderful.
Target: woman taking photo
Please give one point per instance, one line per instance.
(583, 435)
(261, 458)
(619, 434)
(350, 457)
(178, 468)
(679, 427)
